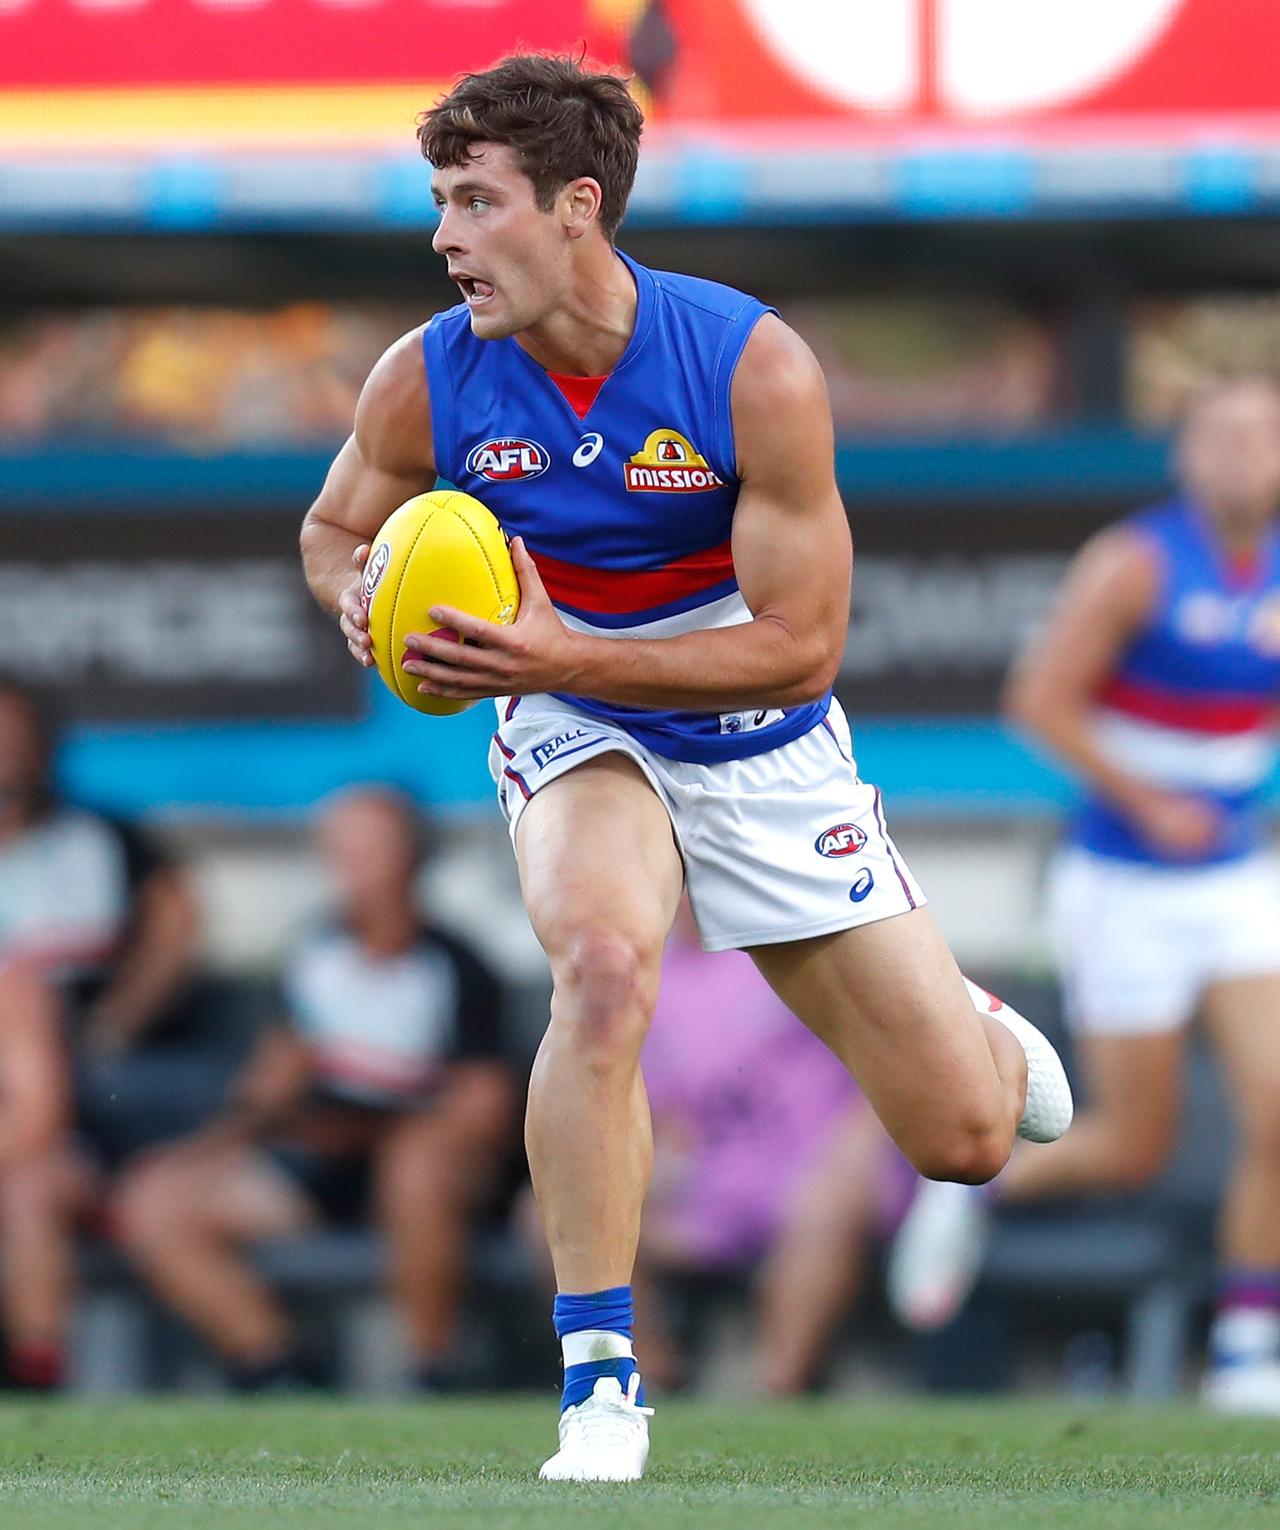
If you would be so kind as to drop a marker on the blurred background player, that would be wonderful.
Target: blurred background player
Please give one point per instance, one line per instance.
(384, 1083)
(98, 935)
(1155, 682)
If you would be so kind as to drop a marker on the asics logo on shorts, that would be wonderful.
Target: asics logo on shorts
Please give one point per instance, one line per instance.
(862, 885)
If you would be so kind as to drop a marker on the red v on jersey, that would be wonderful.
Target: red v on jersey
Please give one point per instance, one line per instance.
(581, 392)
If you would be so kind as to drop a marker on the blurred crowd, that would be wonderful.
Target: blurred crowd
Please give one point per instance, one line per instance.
(171, 1125)
(213, 378)
(206, 378)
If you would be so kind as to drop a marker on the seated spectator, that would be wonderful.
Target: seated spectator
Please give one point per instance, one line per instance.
(97, 942)
(384, 1082)
(768, 1166)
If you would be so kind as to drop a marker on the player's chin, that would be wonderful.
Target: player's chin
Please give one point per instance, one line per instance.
(492, 322)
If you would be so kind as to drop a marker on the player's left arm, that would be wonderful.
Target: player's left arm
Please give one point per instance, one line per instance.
(791, 555)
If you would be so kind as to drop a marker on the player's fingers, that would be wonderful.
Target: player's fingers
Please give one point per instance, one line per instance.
(449, 660)
(458, 692)
(360, 555)
(353, 631)
(473, 628)
(532, 589)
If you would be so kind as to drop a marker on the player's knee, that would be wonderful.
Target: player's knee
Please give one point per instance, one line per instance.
(606, 984)
(966, 1156)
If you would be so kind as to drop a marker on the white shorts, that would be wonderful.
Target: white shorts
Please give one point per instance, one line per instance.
(1137, 945)
(780, 846)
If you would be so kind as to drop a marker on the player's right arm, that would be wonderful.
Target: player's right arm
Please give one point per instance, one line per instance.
(1107, 596)
(387, 459)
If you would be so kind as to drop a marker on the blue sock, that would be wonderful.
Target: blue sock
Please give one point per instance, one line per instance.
(594, 1330)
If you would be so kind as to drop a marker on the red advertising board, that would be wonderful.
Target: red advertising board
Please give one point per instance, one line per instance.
(969, 61)
(93, 73)
(54, 44)
(97, 72)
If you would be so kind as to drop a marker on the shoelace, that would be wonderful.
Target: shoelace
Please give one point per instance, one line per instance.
(606, 1424)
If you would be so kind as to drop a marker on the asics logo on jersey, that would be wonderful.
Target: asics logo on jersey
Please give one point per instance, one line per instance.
(507, 458)
(840, 839)
(668, 463)
(592, 445)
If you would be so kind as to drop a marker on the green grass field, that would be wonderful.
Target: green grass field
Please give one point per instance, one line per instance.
(957, 1464)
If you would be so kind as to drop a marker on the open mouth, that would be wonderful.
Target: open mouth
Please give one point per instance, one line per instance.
(474, 289)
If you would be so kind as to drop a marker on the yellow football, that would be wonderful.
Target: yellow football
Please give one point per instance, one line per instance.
(437, 549)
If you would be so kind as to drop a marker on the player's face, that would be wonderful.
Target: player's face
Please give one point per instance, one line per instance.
(1230, 454)
(508, 257)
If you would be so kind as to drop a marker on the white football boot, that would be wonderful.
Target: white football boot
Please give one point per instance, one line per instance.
(1049, 1107)
(604, 1439)
(938, 1251)
(1248, 1387)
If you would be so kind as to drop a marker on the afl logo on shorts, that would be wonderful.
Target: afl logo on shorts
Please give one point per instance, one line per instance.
(508, 458)
(840, 839)
(374, 570)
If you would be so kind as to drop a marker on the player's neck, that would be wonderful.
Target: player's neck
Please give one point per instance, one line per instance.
(587, 334)
(1241, 534)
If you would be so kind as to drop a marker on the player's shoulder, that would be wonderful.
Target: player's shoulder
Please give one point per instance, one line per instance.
(393, 414)
(1121, 566)
(778, 374)
(714, 300)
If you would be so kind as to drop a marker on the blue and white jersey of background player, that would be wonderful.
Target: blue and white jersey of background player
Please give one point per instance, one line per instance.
(624, 490)
(1190, 704)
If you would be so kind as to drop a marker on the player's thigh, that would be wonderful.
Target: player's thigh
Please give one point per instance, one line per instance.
(1242, 1020)
(597, 854)
(889, 1000)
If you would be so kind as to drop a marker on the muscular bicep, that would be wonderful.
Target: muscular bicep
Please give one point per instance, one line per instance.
(1106, 596)
(791, 544)
(388, 457)
(358, 494)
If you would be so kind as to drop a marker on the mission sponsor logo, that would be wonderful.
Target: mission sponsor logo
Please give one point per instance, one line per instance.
(668, 464)
(839, 840)
(507, 458)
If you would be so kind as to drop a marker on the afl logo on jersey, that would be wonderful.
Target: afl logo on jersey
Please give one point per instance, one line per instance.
(668, 464)
(840, 839)
(507, 458)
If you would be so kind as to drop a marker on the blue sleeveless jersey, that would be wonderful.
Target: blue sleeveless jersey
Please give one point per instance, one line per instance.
(628, 511)
(1189, 705)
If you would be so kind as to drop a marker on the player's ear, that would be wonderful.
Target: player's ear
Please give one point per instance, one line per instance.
(580, 205)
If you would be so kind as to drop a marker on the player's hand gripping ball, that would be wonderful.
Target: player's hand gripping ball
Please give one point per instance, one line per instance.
(437, 549)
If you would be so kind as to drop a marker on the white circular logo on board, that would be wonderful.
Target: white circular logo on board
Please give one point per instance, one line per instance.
(993, 56)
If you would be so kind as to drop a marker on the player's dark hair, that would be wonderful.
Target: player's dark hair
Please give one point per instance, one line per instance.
(563, 120)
